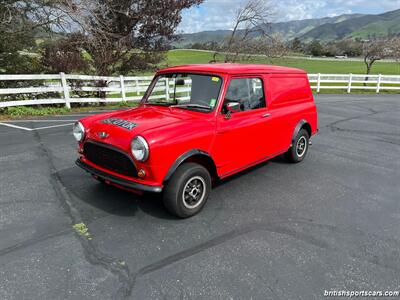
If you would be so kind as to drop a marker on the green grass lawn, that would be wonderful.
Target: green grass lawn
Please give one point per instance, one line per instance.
(181, 57)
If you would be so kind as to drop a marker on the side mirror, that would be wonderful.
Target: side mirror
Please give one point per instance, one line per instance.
(233, 107)
(230, 108)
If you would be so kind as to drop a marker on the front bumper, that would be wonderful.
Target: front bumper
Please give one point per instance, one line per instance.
(117, 180)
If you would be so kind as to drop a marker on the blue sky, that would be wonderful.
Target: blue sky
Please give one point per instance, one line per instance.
(219, 14)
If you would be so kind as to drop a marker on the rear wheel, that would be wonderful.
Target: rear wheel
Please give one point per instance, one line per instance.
(187, 191)
(298, 151)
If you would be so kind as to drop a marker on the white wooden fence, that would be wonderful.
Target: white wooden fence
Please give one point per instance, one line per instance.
(116, 89)
(349, 82)
(68, 88)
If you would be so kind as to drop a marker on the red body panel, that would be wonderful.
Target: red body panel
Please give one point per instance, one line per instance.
(233, 144)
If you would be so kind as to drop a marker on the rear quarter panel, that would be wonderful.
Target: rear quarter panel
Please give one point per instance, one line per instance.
(290, 100)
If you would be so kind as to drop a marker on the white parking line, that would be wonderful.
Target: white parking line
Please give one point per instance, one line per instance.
(77, 115)
(15, 126)
(40, 121)
(53, 126)
(90, 113)
(32, 129)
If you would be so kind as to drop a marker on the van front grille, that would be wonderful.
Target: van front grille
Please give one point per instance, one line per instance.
(111, 159)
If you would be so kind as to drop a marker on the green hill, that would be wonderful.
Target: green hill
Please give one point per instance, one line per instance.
(292, 29)
(324, 29)
(363, 27)
(203, 36)
(288, 30)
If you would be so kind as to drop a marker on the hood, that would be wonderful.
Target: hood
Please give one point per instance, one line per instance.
(120, 127)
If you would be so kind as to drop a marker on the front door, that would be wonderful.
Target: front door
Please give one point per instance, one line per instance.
(242, 135)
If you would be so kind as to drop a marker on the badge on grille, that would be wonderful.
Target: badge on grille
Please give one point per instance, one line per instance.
(121, 123)
(103, 135)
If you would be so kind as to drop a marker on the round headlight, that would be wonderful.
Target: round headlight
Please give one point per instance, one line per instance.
(79, 131)
(140, 148)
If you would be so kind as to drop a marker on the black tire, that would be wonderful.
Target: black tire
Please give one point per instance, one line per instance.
(197, 181)
(296, 153)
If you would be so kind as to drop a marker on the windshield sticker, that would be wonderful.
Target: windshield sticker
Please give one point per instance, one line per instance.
(212, 102)
(216, 79)
(121, 123)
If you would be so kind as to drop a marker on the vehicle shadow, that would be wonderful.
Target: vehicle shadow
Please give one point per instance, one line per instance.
(91, 196)
(278, 160)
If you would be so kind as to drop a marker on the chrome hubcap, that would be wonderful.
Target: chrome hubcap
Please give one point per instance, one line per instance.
(301, 146)
(194, 192)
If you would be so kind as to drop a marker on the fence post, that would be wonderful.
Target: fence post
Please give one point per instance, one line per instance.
(137, 87)
(65, 90)
(318, 82)
(167, 88)
(349, 86)
(378, 85)
(122, 85)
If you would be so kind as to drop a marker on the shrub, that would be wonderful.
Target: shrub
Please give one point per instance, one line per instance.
(19, 111)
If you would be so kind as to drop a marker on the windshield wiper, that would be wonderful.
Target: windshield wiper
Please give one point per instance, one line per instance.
(191, 105)
(159, 103)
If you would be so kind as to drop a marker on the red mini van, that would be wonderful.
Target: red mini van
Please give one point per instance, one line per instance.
(197, 124)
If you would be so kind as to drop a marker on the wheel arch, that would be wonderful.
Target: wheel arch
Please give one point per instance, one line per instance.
(197, 156)
(302, 124)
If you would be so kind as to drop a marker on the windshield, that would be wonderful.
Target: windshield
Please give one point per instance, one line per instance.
(186, 91)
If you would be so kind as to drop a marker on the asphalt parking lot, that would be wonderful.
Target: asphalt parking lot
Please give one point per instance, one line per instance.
(276, 231)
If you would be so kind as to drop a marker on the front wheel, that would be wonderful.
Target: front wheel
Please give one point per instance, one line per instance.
(297, 152)
(187, 191)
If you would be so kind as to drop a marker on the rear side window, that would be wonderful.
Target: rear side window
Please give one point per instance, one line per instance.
(289, 89)
(249, 92)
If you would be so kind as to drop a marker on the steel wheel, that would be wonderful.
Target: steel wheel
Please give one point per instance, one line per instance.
(186, 193)
(194, 192)
(301, 146)
(298, 150)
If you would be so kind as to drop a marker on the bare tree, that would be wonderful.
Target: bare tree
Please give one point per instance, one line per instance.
(270, 46)
(372, 52)
(395, 48)
(26, 15)
(251, 22)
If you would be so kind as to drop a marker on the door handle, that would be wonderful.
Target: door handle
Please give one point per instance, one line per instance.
(266, 115)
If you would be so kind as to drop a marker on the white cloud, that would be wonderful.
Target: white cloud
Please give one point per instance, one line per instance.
(211, 15)
(219, 14)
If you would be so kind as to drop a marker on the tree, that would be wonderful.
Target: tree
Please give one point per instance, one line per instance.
(122, 36)
(20, 20)
(27, 15)
(332, 49)
(64, 55)
(251, 22)
(315, 48)
(395, 48)
(271, 46)
(349, 47)
(296, 45)
(373, 51)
